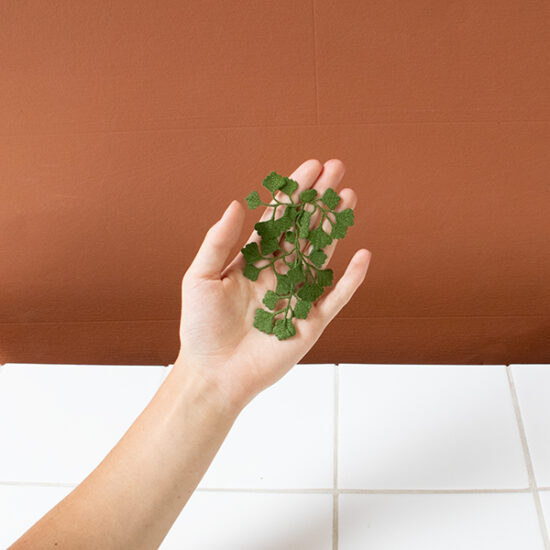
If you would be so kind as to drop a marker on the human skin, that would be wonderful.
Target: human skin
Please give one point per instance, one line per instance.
(135, 494)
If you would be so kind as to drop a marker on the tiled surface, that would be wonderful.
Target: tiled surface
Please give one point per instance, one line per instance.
(435, 427)
(253, 521)
(429, 456)
(58, 422)
(533, 388)
(452, 521)
(545, 501)
(287, 432)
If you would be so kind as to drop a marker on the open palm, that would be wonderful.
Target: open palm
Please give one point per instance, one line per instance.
(217, 336)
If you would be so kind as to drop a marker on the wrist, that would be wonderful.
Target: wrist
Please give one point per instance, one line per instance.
(195, 386)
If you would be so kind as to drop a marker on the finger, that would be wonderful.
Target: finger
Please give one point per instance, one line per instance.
(349, 200)
(333, 172)
(305, 176)
(329, 306)
(218, 243)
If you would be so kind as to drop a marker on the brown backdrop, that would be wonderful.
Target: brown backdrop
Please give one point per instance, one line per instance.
(128, 126)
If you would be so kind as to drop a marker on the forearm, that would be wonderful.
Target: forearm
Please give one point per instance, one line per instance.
(133, 497)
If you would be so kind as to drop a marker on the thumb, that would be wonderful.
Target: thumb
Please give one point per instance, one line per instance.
(218, 243)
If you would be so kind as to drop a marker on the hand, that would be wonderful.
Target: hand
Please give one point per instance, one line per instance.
(219, 343)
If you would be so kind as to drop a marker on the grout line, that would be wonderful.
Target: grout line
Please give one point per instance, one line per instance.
(262, 126)
(336, 492)
(326, 491)
(336, 421)
(335, 521)
(304, 491)
(429, 491)
(335, 510)
(315, 57)
(528, 461)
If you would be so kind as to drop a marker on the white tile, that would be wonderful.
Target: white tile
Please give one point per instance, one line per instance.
(545, 501)
(427, 427)
(167, 370)
(22, 506)
(503, 521)
(283, 438)
(253, 521)
(57, 422)
(532, 384)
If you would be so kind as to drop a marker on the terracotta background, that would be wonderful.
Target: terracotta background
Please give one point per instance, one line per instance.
(127, 127)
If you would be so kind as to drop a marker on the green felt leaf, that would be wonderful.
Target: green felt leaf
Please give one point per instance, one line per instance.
(305, 285)
(251, 272)
(301, 309)
(251, 252)
(270, 299)
(273, 181)
(253, 200)
(345, 217)
(284, 285)
(338, 231)
(318, 258)
(284, 328)
(263, 320)
(324, 277)
(269, 245)
(343, 220)
(292, 212)
(266, 229)
(286, 221)
(308, 195)
(310, 292)
(319, 238)
(291, 236)
(290, 327)
(296, 274)
(302, 222)
(331, 198)
(289, 186)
